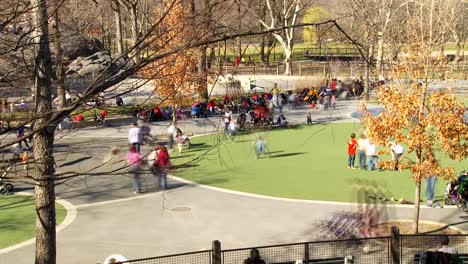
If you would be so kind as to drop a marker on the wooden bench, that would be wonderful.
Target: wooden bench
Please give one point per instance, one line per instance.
(339, 260)
(461, 259)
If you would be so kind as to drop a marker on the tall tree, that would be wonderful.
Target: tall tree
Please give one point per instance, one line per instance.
(174, 75)
(118, 26)
(43, 140)
(132, 8)
(430, 124)
(59, 73)
(281, 13)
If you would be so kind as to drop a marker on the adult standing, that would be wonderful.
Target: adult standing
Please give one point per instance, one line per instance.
(20, 134)
(363, 142)
(372, 158)
(162, 164)
(135, 137)
(170, 135)
(397, 151)
(430, 187)
(134, 168)
(275, 93)
(227, 119)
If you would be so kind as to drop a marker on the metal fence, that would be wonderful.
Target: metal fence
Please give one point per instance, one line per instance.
(198, 257)
(410, 245)
(395, 249)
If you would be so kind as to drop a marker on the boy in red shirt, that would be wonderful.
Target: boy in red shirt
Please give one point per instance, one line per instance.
(352, 146)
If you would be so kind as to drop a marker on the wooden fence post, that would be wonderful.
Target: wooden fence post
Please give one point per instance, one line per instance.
(216, 253)
(306, 253)
(395, 245)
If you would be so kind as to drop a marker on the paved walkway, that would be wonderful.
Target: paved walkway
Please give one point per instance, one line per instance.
(185, 218)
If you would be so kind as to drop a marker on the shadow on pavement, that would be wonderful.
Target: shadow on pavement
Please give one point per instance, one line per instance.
(73, 162)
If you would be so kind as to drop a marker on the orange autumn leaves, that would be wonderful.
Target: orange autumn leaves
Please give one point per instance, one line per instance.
(426, 124)
(174, 75)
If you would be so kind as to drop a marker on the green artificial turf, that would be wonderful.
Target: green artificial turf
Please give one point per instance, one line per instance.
(306, 163)
(17, 219)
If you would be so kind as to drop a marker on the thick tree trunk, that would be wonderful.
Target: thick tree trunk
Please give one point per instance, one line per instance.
(118, 26)
(287, 61)
(43, 142)
(59, 74)
(202, 73)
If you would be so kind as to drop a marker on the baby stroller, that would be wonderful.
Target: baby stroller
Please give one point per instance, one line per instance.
(242, 120)
(456, 192)
(5, 187)
(180, 114)
(99, 119)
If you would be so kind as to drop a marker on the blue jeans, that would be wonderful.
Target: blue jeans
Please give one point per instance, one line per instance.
(362, 159)
(162, 179)
(372, 162)
(431, 181)
(170, 140)
(135, 174)
(137, 146)
(351, 158)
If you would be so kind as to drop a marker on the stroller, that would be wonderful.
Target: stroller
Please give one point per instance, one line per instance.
(5, 187)
(456, 192)
(99, 119)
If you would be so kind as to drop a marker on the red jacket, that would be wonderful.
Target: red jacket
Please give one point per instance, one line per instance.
(163, 159)
(352, 146)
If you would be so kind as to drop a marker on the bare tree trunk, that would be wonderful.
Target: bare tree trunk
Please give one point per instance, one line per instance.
(118, 26)
(417, 204)
(43, 142)
(239, 28)
(262, 49)
(134, 22)
(367, 73)
(380, 52)
(202, 61)
(59, 74)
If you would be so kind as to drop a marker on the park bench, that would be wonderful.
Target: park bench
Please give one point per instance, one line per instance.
(338, 260)
(461, 259)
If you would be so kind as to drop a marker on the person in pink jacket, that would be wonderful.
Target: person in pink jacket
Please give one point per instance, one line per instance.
(134, 168)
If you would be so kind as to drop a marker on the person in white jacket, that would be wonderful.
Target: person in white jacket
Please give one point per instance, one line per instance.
(372, 158)
(135, 137)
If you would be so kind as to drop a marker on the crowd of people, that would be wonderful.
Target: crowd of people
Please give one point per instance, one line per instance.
(366, 150)
(158, 160)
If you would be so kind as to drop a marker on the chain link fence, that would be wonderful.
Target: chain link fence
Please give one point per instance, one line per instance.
(413, 246)
(395, 249)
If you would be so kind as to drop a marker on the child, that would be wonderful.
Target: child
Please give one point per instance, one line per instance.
(309, 118)
(352, 146)
(333, 101)
(261, 148)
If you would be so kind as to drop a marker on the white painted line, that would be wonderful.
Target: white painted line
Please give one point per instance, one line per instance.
(295, 200)
(69, 218)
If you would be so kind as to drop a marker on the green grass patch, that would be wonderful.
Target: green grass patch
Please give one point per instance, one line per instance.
(17, 219)
(306, 163)
(463, 99)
